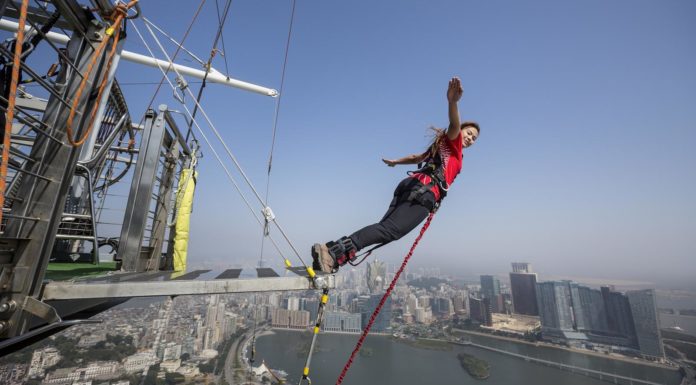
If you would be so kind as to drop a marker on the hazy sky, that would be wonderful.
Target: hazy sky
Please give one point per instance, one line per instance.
(585, 165)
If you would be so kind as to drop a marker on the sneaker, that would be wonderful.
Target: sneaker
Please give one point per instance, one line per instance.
(322, 259)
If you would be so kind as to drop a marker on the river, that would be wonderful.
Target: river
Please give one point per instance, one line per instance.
(395, 363)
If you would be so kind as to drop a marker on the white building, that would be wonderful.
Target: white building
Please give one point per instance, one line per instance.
(293, 303)
(172, 351)
(170, 365)
(139, 362)
(99, 369)
(424, 316)
(189, 371)
(41, 360)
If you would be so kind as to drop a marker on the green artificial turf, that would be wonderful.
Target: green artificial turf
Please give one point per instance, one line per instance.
(65, 271)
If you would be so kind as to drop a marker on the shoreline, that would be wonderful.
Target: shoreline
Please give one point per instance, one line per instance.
(309, 329)
(572, 350)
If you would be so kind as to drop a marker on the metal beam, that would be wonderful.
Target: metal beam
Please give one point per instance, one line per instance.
(214, 76)
(163, 206)
(175, 128)
(71, 290)
(44, 197)
(140, 195)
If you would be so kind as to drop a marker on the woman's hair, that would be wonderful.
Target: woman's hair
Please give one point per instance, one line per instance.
(439, 134)
(470, 124)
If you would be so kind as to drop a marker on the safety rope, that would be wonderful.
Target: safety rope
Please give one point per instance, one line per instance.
(386, 295)
(117, 16)
(317, 327)
(6, 140)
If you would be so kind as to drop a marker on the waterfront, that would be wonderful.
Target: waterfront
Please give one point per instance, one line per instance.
(393, 362)
(686, 323)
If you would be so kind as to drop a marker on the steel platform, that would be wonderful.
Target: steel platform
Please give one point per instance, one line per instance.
(198, 282)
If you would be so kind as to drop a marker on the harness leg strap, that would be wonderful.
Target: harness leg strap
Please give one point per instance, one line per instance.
(342, 250)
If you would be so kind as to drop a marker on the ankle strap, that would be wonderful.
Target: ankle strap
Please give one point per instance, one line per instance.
(342, 250)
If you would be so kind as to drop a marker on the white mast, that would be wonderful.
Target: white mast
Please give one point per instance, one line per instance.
(214, 76)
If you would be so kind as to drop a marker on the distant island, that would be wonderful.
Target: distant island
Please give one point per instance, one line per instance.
(476, 367)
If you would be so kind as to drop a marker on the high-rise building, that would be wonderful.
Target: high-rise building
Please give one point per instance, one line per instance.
(593, 310)
(311, 305)
(490, 288)
(522, 267)
(367, 304)
(342, 322)
(376, 275)
(294, 319)
(459, 302)
(619, 317)
(645, 319)
(442, 306)
(555, 307)
(580, 321)
(480, 310)
(523, 287)
(603, 316)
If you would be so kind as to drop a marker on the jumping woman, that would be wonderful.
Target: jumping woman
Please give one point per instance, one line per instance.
(416, 196)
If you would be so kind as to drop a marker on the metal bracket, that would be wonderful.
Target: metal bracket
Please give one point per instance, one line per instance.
(41, 310)
(10, 345)
(268, 214)
(320, 282)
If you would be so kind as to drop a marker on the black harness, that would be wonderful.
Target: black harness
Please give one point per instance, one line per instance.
(434, 169)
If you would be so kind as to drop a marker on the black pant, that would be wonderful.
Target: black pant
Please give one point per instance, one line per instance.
(403, 215)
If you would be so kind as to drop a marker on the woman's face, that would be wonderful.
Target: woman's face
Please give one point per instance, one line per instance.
(469, 135)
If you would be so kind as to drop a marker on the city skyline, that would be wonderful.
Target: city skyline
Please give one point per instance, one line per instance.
(182, 336)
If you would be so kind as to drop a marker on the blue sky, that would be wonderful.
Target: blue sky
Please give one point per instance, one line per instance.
(584, 167)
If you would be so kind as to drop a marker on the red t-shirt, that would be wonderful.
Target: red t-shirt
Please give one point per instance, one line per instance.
(451, 154)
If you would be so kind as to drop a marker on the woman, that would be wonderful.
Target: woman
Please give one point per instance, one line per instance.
(416, 196)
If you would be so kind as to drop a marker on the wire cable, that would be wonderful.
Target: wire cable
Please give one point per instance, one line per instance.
(222, 38)
(208, 65)
(215, 153)
(275, 119)
(153, 25)
(231, 155)
(176, 52)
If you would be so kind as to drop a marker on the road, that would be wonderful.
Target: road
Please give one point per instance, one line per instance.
(229, 362)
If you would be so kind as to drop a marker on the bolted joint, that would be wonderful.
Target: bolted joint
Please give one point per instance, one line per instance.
(320, 282)
(8, 307)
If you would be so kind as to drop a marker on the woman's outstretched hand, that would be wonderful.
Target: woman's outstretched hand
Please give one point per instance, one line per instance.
(454, 90)
(389, 162)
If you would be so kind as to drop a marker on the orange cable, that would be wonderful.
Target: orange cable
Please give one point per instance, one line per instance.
(117, 17)
(7, 137)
